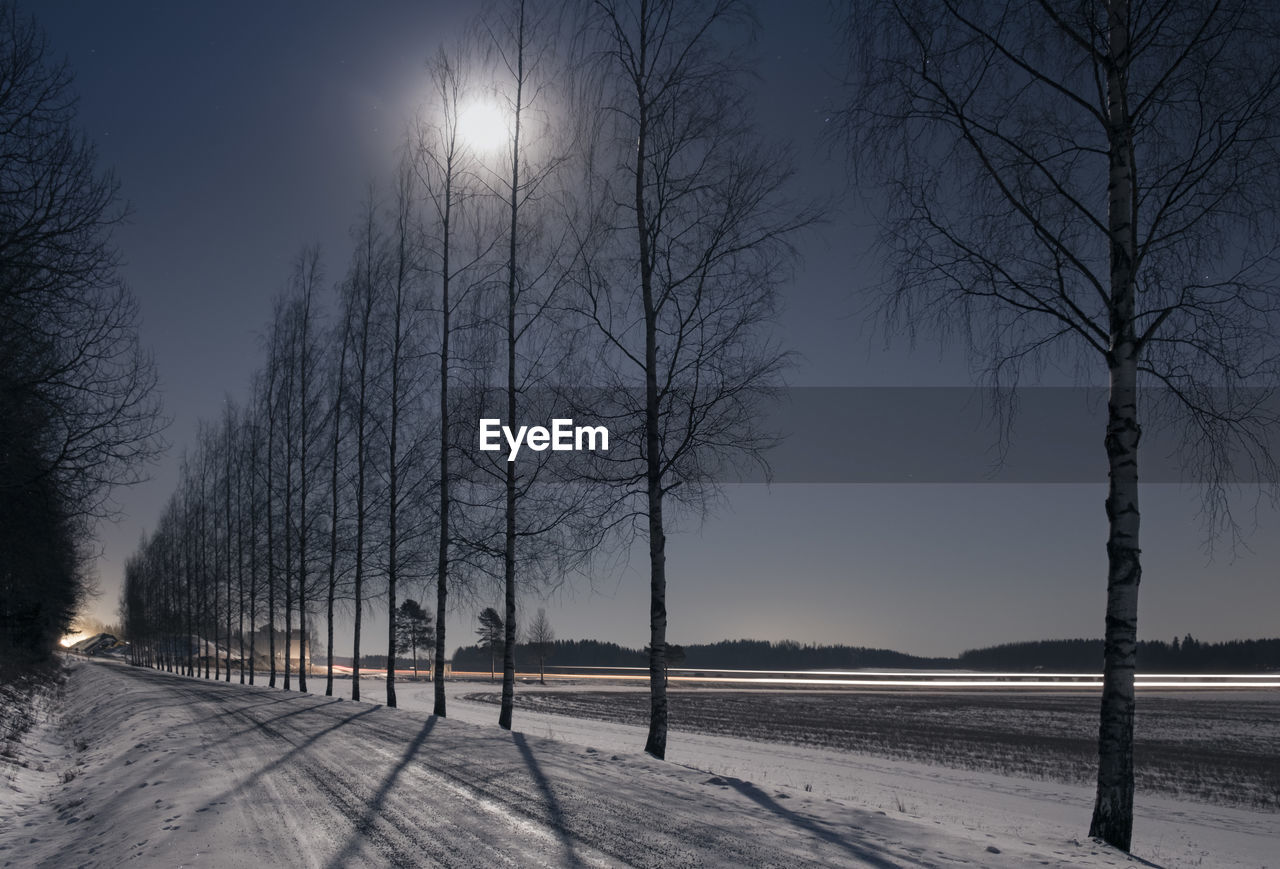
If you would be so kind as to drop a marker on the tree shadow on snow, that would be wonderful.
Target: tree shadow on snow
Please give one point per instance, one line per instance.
(243, 787)
(862, 852)
(374, 807)
(549, 799)
(264, 724)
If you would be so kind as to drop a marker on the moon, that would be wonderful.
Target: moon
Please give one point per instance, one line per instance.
(483, 127)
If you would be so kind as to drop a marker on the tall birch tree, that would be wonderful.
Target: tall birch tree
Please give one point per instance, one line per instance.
(359, 300)
(337, 463)
(459, 246)
(1097, 181)
(523, 40)
(306, 287)
(685, 238)
(403, 399)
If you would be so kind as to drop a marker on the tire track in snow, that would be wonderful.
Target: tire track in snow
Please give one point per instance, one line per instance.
(396, 835)
(589, 831)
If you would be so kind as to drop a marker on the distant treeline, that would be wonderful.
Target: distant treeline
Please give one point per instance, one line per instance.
(726, 654)
(379, 662)
(1187, 655)
(790, 655)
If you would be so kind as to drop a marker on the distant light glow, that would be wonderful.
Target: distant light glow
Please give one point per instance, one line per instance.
(71, 639)
(483, 126)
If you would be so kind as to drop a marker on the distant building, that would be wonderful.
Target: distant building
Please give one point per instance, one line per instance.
(94, 645)
(298, 645)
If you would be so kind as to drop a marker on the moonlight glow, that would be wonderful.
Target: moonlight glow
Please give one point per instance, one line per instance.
(483, 126)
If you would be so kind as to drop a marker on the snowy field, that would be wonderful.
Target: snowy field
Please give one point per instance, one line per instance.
(1210, 746)
(149, 769)
(1169, 832)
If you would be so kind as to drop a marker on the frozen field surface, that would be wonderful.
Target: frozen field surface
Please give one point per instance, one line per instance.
(1217, 747)
(147, 769)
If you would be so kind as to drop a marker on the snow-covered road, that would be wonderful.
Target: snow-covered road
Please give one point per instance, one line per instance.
(158, 770)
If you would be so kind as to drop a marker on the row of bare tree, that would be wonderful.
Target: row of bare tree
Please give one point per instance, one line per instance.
(78, 411)
(614, 258)
(1088, 185)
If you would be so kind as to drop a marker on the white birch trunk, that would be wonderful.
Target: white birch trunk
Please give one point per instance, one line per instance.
(1113, 808)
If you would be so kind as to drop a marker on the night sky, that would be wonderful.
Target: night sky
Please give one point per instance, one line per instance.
(241, 131)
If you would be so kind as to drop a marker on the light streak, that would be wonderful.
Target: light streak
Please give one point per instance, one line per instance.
(827, 679)
(1031, 681)
(937, 673)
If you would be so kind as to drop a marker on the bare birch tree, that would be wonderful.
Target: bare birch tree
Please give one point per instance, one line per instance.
(241, 435)
(446, 173)
(337, 457)
(227, 451)
(289, 427)
(306, 287)
(207, 620)
(402, 399)
(359, 300)
(269, 390)
(689, 239)
(522, 38)
(1094, 180)
(186, 494)
(254, 494)
(439, 159)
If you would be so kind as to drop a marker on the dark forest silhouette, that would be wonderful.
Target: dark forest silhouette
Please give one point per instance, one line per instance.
(1186, 655)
